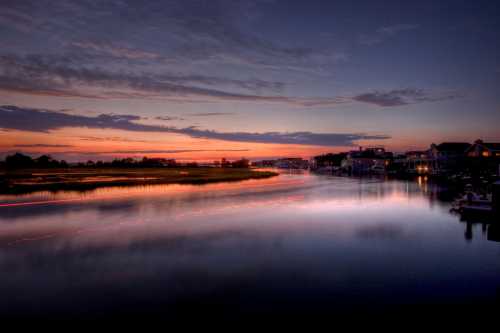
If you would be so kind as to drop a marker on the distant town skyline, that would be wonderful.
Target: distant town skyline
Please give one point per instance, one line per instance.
(201, 80)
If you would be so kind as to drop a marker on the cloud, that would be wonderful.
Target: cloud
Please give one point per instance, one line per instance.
(39, 120)
(385, 33)
(168, 151)
(16, 19)
(137, 152)
(168, 118)
(116, 51)
(399, 97)
(61, 77)
(296, 138)
(210, 114)
(221, 31)
(112, 139)
(42, 145)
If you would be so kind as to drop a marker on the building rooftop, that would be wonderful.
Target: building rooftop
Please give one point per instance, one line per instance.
(458, 147)
(492, 145)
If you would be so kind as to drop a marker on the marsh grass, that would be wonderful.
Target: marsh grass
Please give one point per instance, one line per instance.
(82, 179)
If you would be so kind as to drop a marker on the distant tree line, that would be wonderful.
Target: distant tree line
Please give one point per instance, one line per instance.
(223, 163)
(21, 161)
(129, 162)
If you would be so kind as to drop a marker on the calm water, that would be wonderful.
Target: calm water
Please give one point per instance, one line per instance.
(293, 243)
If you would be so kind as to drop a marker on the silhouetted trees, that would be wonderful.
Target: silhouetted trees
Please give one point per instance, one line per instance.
(21, 161)
(243, 163)
(157, 162)
(224, 163)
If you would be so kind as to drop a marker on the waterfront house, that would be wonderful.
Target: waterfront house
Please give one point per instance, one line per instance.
(419, 162)
(365, 161)
(447, 157)
(327, 162)
(264, 163)
(483, 158)
(484, 149)
(292, 163)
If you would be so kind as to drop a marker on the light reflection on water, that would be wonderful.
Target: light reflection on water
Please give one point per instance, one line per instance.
(302, 238)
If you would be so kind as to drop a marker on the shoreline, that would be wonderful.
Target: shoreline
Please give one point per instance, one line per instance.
(87, 179)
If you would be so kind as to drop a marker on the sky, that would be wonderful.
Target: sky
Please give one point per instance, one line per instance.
(206, 79)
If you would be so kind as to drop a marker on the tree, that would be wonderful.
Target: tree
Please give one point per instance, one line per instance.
(224, 163)
(45, 161)
(19, 161)
(243, 163)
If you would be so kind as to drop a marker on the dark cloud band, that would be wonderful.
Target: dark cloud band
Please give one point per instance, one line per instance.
(399, 97)
(37, 120)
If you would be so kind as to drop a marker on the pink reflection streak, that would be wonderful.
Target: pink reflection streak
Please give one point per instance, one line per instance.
(395, 198)
(44, 202)
(159, 189)
(277, 202)
(199, 212)
(69, 233)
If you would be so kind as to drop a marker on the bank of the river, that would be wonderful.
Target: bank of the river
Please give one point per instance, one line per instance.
(81, 179)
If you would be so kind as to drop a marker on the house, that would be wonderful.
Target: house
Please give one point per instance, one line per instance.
(292, 163)
(447, 156)
(483, 158)
(264, 164)
(369, 160)
(242, 163)
(484, 149)
(328, 161)
(419, 162)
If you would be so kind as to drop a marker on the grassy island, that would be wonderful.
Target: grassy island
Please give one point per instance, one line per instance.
(82, 179)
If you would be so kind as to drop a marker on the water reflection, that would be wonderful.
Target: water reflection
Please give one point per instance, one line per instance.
(488, 227)
(298, 240)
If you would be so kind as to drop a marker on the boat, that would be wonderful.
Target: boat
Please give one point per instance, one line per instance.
(472, 202)
(377, 169)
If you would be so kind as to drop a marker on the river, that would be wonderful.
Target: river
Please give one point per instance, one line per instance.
(295, 243)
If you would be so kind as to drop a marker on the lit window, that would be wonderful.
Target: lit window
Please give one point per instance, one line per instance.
(486, 153)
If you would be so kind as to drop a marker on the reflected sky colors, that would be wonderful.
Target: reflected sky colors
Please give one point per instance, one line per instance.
(297, 240)
(201, 80)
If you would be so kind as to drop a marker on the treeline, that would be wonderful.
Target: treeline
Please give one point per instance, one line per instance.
(129, 162)
(223, 163)
(21, 161)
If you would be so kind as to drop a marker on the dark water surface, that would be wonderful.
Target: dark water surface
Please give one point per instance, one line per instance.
(293, 244)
